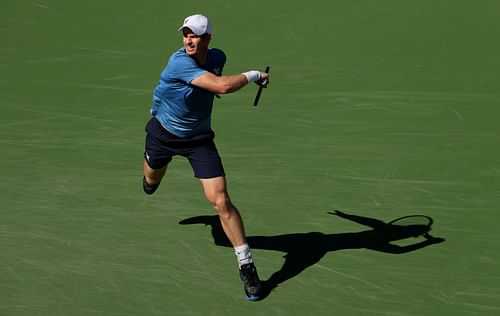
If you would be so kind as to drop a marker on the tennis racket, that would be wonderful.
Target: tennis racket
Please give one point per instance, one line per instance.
(415, 221)
(259, 92)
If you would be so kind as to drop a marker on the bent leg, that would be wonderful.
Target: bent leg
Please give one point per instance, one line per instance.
(216, 192)
(153, 176)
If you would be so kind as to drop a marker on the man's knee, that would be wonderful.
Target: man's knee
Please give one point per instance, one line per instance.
(223, 206)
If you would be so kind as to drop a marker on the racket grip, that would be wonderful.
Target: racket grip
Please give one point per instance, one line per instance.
(259, 92)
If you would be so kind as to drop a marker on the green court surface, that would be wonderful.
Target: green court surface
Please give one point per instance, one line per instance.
(381, 109)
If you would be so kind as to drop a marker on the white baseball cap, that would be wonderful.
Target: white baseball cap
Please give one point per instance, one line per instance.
(197, 23)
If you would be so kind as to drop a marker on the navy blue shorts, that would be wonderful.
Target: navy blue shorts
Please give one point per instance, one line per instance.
(161, 146)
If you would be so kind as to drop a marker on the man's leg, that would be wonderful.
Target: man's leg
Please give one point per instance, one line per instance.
(152, 178)
(157, 155)
(216, 192)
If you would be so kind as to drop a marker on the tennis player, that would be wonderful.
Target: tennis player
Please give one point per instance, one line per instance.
(181, 125)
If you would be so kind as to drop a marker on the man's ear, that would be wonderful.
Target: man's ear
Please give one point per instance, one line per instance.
(207, 36)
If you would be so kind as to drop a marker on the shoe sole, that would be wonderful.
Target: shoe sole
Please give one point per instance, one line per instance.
(252, 298)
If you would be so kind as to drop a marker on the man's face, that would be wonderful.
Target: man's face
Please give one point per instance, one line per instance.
(194, 44)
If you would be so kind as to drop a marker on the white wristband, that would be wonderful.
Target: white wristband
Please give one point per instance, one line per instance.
(252, 75)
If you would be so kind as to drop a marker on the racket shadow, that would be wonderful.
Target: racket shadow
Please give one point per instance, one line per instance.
(303, 250)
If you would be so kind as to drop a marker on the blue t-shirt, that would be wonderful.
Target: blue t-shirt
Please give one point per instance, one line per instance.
(183, 109)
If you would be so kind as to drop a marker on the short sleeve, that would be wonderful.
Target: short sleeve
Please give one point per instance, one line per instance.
(184, 68)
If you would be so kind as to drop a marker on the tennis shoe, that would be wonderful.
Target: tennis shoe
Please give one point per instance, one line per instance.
(251, 282)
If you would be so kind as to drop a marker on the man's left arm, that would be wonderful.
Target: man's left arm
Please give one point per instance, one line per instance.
(229, 83)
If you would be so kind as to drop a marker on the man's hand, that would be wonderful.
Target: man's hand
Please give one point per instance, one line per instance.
(337, 212)
(263, 81)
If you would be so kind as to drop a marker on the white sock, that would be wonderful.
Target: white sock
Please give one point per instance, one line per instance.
(243, 254)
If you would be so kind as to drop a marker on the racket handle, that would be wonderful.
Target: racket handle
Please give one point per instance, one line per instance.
(259, 92)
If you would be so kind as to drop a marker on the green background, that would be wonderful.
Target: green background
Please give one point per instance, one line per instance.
(379, 108)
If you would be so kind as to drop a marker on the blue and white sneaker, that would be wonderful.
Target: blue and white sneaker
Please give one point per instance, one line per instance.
(251, 282)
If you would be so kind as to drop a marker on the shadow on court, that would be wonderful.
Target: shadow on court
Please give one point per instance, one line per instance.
(303, 250)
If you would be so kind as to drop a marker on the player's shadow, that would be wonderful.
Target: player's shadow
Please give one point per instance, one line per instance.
(303, 250)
